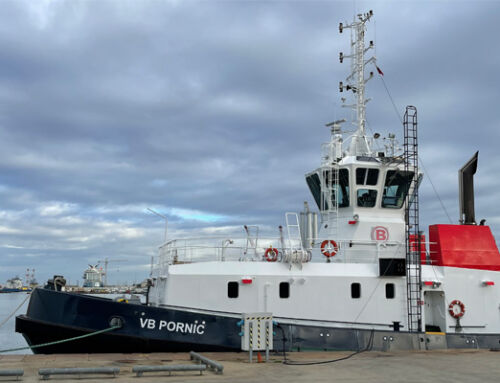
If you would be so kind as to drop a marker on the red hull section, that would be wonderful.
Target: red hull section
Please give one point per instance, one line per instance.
(467, 246)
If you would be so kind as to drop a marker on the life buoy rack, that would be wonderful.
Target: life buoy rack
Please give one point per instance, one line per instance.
(271, 254)
(451, 309)
(329, 248)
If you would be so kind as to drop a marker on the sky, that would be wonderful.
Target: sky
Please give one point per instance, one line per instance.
(211, 112)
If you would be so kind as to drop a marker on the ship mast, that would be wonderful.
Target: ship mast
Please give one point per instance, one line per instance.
(356, 81)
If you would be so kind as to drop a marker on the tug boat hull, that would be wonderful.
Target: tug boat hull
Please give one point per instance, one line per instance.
(54, 315)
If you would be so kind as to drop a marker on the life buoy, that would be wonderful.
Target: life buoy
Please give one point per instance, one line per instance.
(454, 313)
(329, 248)
(271, 254)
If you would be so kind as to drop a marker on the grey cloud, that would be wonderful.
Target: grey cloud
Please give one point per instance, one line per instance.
(111, 107)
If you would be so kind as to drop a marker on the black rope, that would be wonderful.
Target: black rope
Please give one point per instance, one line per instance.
(368, 347)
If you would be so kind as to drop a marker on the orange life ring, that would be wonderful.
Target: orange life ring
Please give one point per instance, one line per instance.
(451, 309)
(271, 254)
(328, 244)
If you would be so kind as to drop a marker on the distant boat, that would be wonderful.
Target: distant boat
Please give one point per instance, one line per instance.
(14, 285)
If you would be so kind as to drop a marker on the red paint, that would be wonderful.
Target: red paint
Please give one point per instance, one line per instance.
(466, 246)
(246, 281)
(423, 250)
(380, 233)
(489, 283)
(428, 283)
(352, 222)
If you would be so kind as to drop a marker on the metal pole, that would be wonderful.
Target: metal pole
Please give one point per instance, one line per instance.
(250, 351)
(268, 324)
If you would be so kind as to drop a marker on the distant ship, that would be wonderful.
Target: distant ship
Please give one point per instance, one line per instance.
(93, 276)
(14, 285)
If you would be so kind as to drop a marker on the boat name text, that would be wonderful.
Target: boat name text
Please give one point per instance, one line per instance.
(185, 328)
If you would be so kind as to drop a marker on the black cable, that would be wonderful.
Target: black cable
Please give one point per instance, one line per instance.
(367, 348)
(284, 341)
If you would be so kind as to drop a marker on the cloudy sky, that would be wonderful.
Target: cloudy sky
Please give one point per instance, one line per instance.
(210, 112)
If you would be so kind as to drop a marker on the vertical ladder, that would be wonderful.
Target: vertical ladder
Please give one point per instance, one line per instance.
(293, 231)
(252, 239)
(329, 200)
(413, 263)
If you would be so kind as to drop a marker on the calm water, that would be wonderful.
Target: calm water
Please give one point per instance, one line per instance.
(8, 337)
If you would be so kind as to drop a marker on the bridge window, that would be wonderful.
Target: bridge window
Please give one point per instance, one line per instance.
(366, 176)
(396, 188)
(326, 190)
(367, 197)
(340, 189)
(232, 289)
(315, 188)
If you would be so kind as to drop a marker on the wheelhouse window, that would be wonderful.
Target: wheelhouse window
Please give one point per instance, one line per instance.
(284, 290)
(326, 191)
(396, 188)
(340, 190)
(315, 188)
(366, 176)
(355, 290)
(232, 289)
(367, 197)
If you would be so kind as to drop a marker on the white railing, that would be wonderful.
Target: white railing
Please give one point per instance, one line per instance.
(221, 249)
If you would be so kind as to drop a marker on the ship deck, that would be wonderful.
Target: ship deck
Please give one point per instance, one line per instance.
(417, 366)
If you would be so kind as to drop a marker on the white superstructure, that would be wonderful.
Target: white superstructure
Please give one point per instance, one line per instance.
(354, 268)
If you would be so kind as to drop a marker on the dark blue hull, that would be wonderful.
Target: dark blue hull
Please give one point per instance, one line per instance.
(54, 315)
(11, 290)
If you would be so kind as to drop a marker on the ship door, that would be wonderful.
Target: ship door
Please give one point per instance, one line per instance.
(435, 311)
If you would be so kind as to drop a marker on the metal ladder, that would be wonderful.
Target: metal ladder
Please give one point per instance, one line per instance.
(329, 200)
(412, 231)
(252, 240)
(293, 232)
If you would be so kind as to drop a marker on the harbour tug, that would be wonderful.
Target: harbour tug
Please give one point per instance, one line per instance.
(358, 273)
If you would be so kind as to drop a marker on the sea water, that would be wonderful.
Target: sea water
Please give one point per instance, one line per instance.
(9, 338)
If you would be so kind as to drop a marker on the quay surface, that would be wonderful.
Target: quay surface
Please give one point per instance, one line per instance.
(429, 366)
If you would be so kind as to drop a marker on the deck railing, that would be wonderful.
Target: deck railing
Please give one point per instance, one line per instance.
(206, 249)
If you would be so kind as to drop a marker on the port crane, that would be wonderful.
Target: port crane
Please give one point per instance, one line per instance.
(106, 261)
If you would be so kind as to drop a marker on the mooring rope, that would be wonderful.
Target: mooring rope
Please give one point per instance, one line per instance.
(17, 308)
(62, 340)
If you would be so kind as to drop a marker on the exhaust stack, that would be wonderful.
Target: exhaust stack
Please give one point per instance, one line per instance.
(466, 191)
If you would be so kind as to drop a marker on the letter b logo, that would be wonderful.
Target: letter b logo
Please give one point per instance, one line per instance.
(380, 234)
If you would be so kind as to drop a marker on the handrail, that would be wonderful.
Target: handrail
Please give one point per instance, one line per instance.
(222, 248)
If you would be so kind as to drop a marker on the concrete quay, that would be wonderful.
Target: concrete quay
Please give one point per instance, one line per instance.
(416, 366)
